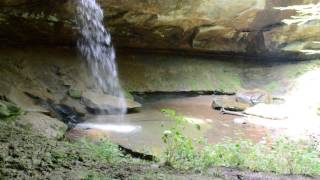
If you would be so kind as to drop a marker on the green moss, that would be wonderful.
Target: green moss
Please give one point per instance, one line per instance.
(9, 111)
(75, 93)
(128, 95)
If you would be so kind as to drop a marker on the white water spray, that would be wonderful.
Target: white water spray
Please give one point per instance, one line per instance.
(96, 46)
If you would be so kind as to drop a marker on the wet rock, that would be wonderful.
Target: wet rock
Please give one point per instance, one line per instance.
(99, 101)
(229, 103)
(65, 113)
(43, 124)
(75, 104)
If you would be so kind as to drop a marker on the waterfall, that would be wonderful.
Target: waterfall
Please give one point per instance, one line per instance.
(96, 47)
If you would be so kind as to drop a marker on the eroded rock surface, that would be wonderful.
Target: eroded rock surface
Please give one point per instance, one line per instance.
(43, 124)
(102, 102)
(219, 26)
(228, 103)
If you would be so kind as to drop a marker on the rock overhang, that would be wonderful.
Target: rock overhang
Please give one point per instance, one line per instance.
(253, 27)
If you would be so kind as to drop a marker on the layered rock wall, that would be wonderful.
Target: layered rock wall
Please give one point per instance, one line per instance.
(215, 26)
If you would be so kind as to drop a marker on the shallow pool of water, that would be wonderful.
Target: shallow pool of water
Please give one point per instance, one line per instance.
(142, 131)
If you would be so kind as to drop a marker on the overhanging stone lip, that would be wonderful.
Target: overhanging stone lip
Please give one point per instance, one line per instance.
(160, 25)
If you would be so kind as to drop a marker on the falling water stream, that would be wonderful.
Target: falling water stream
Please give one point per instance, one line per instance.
(96, 46)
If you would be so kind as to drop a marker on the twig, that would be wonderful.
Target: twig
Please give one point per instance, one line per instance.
(223, 111)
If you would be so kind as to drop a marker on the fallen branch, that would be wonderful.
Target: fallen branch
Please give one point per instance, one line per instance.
(135, 154)
(223, 111)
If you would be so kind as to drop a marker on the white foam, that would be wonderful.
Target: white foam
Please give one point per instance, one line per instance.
(110, 127)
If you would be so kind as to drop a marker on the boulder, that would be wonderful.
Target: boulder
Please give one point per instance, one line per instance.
(99, 101)
(229, 103)
(43, 124)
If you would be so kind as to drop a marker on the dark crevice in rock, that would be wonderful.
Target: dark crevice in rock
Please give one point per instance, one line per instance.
(272, 26)
(228, 56)
(143, 97)
(62, 112)
(193, 35)
(256, 42)
(264, 28)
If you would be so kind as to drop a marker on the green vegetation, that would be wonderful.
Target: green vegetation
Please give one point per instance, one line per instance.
(283, 156)
(9, 111)
(102, 150)
(181, 151)
(25, 155)
(74, 93)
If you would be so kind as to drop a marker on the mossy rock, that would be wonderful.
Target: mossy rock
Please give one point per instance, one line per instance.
(74, 93)
(9, 111)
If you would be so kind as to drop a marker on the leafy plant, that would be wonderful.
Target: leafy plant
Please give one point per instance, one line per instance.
(181, 151)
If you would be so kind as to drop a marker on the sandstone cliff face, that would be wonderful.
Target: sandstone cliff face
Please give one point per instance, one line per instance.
(216, 26)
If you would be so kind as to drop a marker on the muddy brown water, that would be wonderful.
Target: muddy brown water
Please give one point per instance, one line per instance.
(142, 131)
